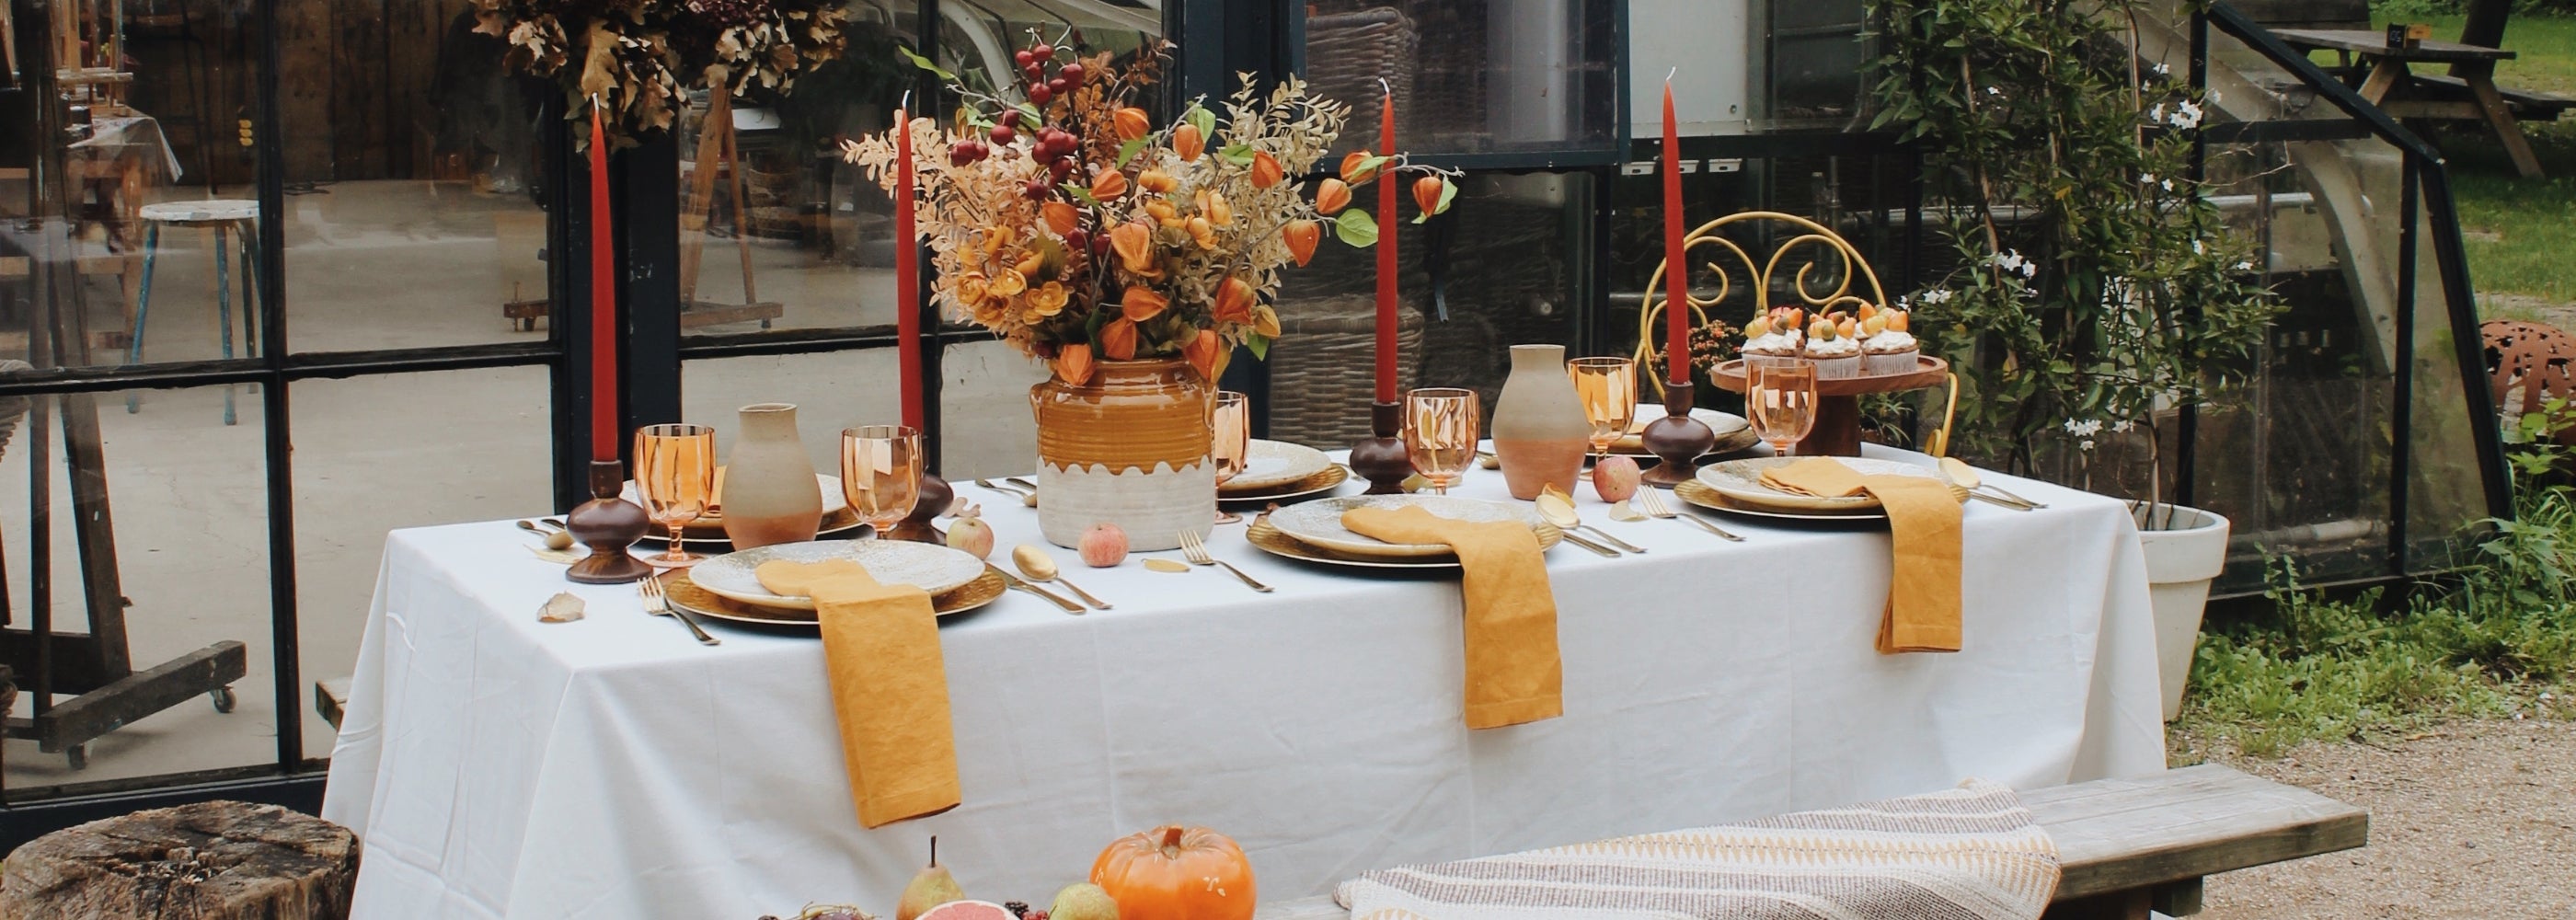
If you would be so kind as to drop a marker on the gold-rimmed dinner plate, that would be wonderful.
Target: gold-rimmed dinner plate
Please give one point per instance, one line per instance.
(1329, 478)
(1318, 523)
(842, 524)
(1730, 427)
(932, 568)
(1268, 539)
(1741, 480)
(825, 483)
(696, 599)
(1699, 494)
(1274, 464)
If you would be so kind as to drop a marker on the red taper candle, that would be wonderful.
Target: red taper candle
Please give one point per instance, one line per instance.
(907, 275)
(1386, 255)
(603, 300)
(1677, 308)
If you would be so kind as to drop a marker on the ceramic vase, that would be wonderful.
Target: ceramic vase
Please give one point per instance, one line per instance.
(1540, 431)
(769, 491)
(1128, 448)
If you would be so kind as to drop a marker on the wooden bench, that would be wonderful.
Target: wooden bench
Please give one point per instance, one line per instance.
(2133, 845)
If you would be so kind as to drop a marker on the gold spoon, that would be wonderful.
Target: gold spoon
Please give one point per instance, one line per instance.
(1035, 565)
(555, 539)
(1966, 476)
(1558, 508)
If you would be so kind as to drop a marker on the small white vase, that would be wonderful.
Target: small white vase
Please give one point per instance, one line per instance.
(2184, 554)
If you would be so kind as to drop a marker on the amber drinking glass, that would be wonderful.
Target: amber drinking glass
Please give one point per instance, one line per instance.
(1440, 430)
(675, 480)
(1230, 441)
(1608, 388)
(881, 472)
(1780, 400)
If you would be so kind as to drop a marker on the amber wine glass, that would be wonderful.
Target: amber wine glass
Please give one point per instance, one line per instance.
(1440, 433)
(881, 472)
(1608, 388)
(675, 479)
(1780, 400)
(1230, 441)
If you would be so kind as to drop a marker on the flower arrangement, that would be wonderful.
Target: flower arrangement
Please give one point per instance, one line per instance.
(1078, 231)
(635, 57)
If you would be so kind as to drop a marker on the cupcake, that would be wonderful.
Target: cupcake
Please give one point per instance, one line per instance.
(1836, 354)
(1763, 339)
(1888, 348)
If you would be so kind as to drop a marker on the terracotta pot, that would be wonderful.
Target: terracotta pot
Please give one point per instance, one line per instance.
(769, 495)
(1131, 449)
(1540, 431)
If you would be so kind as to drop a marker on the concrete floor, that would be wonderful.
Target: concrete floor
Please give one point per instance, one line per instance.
(397, 265)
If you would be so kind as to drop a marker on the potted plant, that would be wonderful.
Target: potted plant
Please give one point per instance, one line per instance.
(1132, 257)
(2096, 290)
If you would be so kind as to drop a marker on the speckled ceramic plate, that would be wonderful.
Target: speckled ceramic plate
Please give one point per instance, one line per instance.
(695, 598)
(825, 483)
(1319, 522)
(1741, 480)
(1276, 463)
(1268, 539)
(936, 569)
(1729, 427)
(1698, 493)
(1324, 480)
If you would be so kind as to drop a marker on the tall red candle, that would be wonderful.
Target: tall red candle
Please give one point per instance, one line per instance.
(603, 300)
(1386, 255)
(907, 275)
(1677, 308)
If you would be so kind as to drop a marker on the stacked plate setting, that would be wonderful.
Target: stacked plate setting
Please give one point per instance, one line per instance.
(1736, 487)
(1733, 432)
(727, 587)
(1279, 471)
(1313, 531)
(839, 520)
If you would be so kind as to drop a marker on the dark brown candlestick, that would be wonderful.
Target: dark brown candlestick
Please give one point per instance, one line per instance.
(1382, 459)
(1677, 439)
(936, 496)
(608, 525)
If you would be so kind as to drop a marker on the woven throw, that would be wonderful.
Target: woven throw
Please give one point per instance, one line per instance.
(1971, 853)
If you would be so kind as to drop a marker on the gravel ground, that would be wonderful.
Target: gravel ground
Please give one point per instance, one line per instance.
(2473, 819)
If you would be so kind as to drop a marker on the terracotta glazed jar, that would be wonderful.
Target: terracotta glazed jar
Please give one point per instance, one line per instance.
(769, 495)
(1540, 431)
(1131, 449)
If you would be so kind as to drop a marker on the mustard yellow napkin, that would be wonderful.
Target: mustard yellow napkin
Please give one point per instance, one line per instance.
(1513, 672)
(1923, 605)
(889, 687)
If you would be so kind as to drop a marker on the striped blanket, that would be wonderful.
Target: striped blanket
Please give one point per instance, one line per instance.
(1971, 853)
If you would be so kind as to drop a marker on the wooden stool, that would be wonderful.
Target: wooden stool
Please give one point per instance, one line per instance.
(224, 217)
(207, 861)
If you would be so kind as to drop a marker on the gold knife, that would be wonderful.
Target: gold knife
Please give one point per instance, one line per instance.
(1597, 548)
(1014, 582)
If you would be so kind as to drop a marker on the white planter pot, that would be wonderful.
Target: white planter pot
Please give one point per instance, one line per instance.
(2183, 556)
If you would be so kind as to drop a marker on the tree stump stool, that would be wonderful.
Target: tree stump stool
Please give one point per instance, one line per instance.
(207, 861)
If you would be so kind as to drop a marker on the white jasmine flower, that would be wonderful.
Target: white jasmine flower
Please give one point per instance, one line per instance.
(1991, 91)
(1938, 295)
(2146, 177)
(2124, 425)
(2157, 113)
(2086, 444)
(2245, 266)
(2198, 249)
(2168, 184)
(2085, 428)
(1904, 302)
(2160, 69)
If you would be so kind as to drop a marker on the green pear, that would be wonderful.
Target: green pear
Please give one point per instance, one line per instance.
(929, 888)
(1083, 901)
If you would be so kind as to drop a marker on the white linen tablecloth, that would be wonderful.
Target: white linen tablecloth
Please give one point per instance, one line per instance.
(613, 768)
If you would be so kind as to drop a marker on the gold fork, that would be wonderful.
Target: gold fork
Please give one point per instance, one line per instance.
(658, 603)
(1652, 504)
(1196, 551)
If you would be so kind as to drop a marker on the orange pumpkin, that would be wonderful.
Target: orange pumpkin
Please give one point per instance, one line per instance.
(1177, 873)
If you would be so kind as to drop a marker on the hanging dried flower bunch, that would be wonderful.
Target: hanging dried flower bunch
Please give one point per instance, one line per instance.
(637, 56)
(1078, 231)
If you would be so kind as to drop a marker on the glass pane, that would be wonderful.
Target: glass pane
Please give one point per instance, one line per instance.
(1742, 66)
(2444, 494)
(1502, 268)
(985, 425)
(467, 446)
(156, 529)
(831, 390)
(1475, 76)
(412, 183)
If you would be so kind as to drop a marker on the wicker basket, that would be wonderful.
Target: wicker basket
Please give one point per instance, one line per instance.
(1322, 371)
(1347, 53)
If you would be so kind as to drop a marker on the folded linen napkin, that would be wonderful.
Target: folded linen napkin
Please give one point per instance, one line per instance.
(1922, 613)
(1513, 672)
(889, 686)
(1970, 852)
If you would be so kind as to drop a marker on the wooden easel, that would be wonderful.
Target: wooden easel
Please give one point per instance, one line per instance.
(717, 152)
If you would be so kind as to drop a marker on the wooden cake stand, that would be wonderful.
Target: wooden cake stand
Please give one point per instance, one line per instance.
(1837, 431)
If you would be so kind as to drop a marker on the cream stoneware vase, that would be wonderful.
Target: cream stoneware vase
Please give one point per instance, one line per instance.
(769, 495)
(1128, 448)
(1540, 431)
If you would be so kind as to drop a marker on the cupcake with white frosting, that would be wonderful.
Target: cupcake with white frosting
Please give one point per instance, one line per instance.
(1836, 354)
(1764, 337)
(1888, 348)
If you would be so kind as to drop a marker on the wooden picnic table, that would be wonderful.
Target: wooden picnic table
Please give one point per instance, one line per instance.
(2474, 67)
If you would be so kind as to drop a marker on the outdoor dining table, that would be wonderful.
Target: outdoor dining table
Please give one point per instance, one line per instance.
(2388, 76)
(612, 767)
